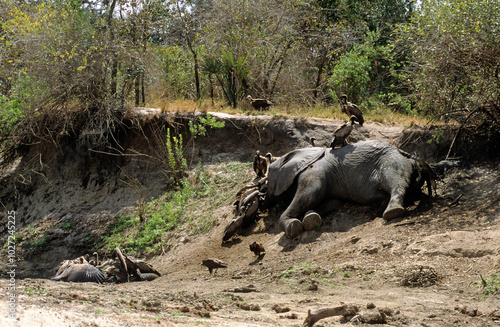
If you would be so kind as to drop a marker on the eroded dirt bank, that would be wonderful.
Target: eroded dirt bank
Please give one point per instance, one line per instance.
(425, 267)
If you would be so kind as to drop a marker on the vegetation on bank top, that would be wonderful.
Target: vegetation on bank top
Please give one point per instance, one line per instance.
(88, 60)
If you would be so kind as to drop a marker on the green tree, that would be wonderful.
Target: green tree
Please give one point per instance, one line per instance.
(186, 22)
(231, 73)
(455, 58)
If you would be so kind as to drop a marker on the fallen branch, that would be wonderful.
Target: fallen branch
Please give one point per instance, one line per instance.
(344, 310)
(456, 200)
(244, 289)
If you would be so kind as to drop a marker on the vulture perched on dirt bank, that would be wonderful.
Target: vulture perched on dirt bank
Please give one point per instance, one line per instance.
(259, 104)
(351, 109)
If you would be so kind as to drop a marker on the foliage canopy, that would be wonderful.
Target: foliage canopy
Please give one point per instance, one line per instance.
(437, 58)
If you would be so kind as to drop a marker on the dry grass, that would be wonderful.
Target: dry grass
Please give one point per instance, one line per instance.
(378, 114)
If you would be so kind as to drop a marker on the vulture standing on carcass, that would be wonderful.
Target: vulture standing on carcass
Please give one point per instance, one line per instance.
(259, 164)
(212, 264)
(259, 104)
(351, 109)
(342, 133)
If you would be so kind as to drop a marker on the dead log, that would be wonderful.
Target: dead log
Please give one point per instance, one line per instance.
(343, 310)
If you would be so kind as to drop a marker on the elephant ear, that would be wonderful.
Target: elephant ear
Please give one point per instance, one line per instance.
(283, 171)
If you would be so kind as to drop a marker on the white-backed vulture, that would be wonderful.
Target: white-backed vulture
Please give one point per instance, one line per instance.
(342, 133)
(351, 109)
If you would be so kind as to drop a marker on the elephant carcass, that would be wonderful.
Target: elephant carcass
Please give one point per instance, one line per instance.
(246, 206)
(290, 165)
(126, 268)
(364, 172)
(247, 211)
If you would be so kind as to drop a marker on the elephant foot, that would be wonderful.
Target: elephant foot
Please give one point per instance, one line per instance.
(293, 228)
(393, 212)
(311, 220)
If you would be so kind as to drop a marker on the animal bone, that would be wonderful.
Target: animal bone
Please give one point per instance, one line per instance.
(232, 228)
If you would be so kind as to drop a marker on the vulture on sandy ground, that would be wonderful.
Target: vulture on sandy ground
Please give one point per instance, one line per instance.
(342, 133)
(351, 109)
(69, 271)
(140, 269)
(259, 164)
(259, 104)
(257, 248)
(213, 263)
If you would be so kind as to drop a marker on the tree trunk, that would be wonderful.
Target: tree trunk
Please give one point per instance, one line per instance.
(137, 90)
(143, 92)
(114, 73)
(318, 78)
(211, 89)
(196, 73)
(114, 65)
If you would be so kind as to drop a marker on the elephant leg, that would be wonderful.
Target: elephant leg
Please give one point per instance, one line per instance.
(395, 207)
(305, 198)
(292, 226)
(311, 220)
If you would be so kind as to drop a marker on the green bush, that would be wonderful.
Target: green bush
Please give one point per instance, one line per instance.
(176, 162)
(351, 75)
(10, 113)
(200, 128)
(21, 100)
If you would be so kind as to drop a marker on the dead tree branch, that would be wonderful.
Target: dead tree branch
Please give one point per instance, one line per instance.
(315, 315)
